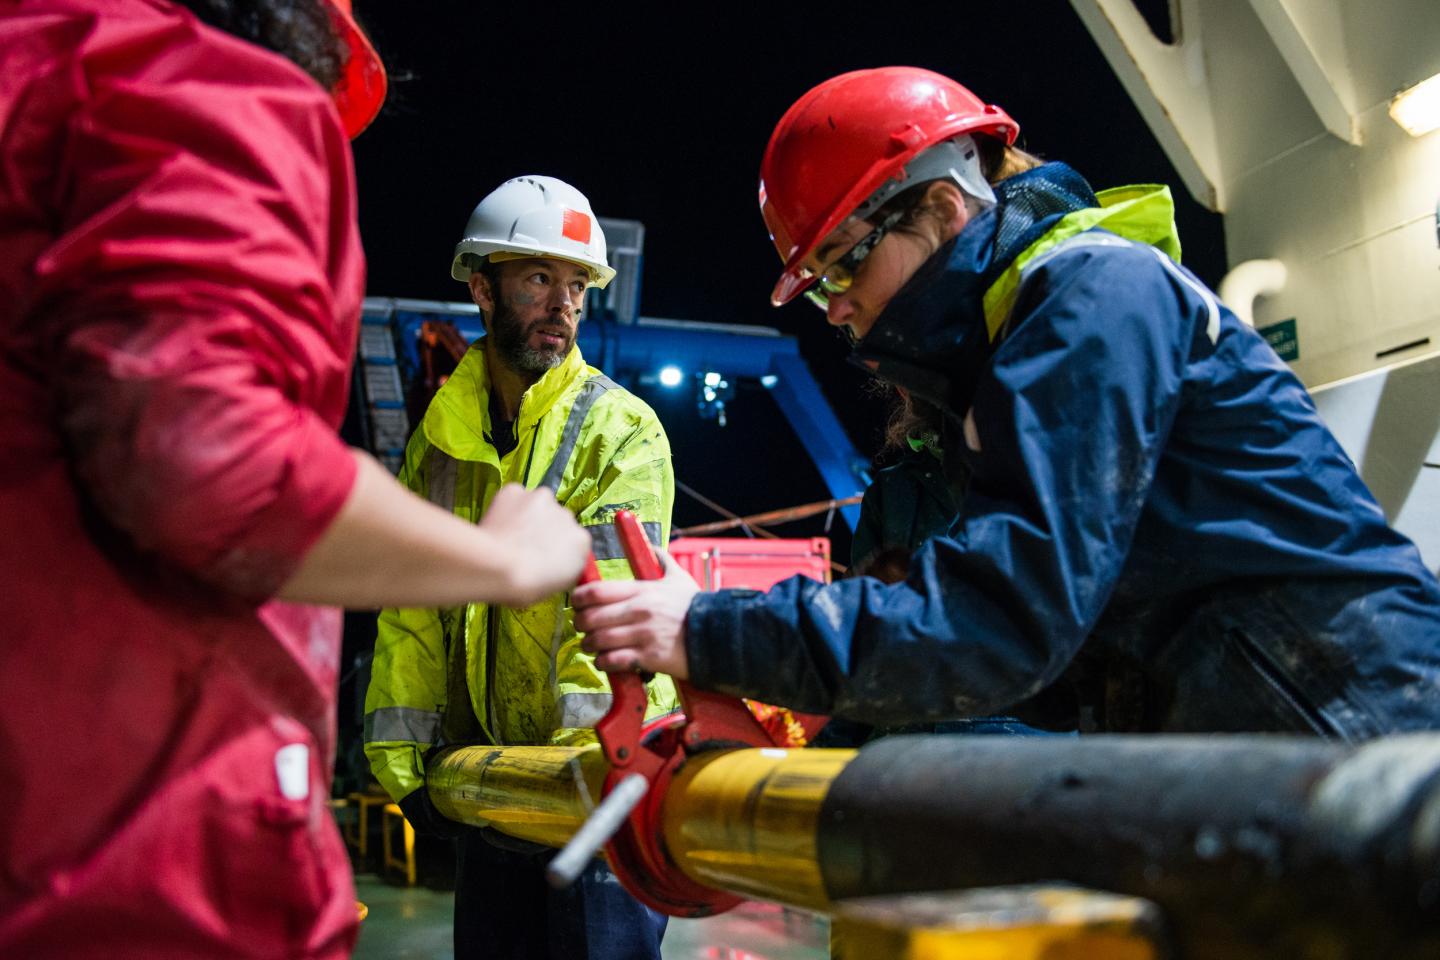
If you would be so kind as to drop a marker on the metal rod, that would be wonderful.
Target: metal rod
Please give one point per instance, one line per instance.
(773, 516)
(597, 830)
(738, 520)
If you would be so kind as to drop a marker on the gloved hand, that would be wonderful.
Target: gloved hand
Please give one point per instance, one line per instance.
(428, 821)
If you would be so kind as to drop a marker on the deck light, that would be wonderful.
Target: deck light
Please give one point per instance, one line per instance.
(1418, 108)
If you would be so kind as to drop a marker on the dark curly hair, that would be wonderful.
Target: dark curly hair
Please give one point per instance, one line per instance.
(302, 31)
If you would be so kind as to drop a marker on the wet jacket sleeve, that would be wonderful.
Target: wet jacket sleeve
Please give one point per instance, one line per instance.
(405, 700)
(408, 690)
(1071, 418)
(202, 297)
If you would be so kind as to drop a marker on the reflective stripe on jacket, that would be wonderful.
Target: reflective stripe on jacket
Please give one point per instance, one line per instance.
(495, 674)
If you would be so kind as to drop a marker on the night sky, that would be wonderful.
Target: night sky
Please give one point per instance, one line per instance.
(662, 116)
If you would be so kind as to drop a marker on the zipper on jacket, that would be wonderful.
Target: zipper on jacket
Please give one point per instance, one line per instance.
(1263, 665)
(530, 457)
(488, 724)
(493, 725)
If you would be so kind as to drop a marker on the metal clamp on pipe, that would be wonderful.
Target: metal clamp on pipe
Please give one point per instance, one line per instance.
(655, 752)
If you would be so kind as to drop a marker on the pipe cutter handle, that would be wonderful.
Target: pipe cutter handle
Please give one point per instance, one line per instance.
(630, 816)
(619, 729)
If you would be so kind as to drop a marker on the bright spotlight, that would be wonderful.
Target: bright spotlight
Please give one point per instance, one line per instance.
(670, 376)
(1418, 109)
(712, 379)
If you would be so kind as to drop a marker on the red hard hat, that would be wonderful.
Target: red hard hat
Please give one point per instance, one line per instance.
(362, 86)
(842, 141)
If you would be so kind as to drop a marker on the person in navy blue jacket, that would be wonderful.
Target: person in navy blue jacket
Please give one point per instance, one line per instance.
(1157, 533)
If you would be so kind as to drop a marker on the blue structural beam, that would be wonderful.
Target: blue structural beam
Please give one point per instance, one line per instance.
(640, 350)
(845, 472)
(736, 351)
(649, 345)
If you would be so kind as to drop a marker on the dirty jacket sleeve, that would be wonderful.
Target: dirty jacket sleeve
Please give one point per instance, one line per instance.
(199, 306)
(1071, 417)
(407, 694)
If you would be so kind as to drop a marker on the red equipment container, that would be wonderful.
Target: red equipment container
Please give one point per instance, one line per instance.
(720, 562)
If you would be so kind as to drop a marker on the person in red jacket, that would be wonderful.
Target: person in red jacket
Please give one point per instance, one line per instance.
(180, 287)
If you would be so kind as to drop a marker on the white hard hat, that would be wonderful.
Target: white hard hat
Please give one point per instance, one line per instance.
(535, 217)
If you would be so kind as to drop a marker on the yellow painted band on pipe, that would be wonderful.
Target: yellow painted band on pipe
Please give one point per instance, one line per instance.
(541, 794)
(745, 821)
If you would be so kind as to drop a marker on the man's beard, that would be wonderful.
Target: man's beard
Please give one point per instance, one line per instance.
(511, 336)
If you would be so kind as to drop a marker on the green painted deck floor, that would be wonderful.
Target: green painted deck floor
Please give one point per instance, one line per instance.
(414, 924)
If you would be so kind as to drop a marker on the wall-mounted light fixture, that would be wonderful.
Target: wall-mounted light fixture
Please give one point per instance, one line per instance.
(711, 392)
(1418, 108)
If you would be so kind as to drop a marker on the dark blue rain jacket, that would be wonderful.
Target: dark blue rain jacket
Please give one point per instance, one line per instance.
(1157, 531)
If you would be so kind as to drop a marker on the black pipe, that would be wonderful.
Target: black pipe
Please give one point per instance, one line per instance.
(1253, 846)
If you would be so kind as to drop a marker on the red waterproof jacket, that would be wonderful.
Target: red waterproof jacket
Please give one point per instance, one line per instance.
(180, 284)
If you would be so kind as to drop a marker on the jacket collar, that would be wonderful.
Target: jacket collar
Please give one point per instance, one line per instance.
(458, 419)
(934, 338)
(1144, 213)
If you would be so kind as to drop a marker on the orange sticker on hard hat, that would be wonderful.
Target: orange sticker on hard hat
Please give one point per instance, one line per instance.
(575, 226)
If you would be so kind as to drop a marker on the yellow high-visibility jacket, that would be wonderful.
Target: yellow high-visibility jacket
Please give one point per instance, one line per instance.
(480, 673)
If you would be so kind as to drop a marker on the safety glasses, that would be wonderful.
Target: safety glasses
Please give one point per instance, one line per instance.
(838, 277)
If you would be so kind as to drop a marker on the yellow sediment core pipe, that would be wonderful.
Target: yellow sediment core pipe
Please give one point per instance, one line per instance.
(745, 821)
(541, 794)
(736, 820)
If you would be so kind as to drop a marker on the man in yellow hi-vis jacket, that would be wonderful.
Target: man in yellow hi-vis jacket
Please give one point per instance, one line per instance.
(521, 407)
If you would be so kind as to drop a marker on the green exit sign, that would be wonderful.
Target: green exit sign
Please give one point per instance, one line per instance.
(1282, 338)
